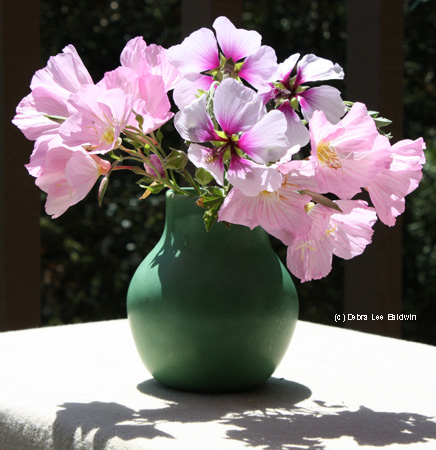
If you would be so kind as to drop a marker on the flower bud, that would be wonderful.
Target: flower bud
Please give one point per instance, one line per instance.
(154, 163)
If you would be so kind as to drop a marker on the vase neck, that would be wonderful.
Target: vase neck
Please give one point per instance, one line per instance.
(184, 221)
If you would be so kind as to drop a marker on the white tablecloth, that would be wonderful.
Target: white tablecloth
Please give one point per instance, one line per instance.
(84, 387)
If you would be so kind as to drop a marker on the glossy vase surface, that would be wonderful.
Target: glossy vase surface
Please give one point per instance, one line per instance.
(210, 311)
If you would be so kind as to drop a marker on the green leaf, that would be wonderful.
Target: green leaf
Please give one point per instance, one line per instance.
(212, 205)
(210, 217)
(211, 200)
(215, 191)
(159, 136)
(176, 160)
(57, 119)
(382, 122)
(144, 182)
(139, 119)
(202, 176)
(153, 188)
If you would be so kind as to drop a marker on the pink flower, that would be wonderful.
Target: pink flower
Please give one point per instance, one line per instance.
(351, 230)
(199, 59)
(245, 128)
(65, 174)
(97, 118)
(150, 99)
(389, 189)
(36, 165)
(51, 89)
(310, 255)
(151, 59)
(347, 156)
(280, 212)
(343, 234)
(300, 173)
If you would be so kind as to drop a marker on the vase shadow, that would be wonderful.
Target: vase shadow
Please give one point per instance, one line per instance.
(269, 416)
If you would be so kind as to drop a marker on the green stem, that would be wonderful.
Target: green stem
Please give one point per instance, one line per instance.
(191, 181)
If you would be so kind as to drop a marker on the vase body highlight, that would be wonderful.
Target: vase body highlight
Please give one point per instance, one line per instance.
(210, 311)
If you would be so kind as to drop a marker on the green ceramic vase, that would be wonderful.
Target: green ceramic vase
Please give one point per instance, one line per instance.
(210, 311)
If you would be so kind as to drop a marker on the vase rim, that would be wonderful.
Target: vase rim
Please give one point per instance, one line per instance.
(171, 193)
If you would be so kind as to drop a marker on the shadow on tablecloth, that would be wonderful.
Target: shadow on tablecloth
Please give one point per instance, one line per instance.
(268, 416)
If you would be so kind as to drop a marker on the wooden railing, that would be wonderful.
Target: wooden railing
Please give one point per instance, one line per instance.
(374, 75)
(19, 200)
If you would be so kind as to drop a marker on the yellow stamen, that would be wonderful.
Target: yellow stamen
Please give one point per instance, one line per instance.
(309, 206)
(328, 156)
(211, 158)
(303, 247)
(331, 230)
(108, 135)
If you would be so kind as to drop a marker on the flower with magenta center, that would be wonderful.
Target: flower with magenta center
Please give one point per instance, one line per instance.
(203, 58)
(246, 140)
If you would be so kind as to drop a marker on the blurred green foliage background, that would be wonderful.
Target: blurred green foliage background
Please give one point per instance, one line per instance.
(90, 253)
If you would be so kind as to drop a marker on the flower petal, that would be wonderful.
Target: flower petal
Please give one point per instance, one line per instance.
(31, 122)
(313, 68)
(296, 132)
(352, 230)
(266, 141)
(133, 55)
(236, 107)
(347, 156)
(259, 66)
(310, 255)
(389, 189)
(412, 150)
(205, 158)
(322, 98)
(38, 157)
(285, 69)
(82, 172)
(187, 90)
(64, 74)
(236, 43)
(197, 53)
(194, 124)
(152, 91)
(144, 59)
(98, 117)
(252, 178)
(280, 213)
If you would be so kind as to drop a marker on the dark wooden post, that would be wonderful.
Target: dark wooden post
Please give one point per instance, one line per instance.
(202, 13)
(375, 76)
(19, 199)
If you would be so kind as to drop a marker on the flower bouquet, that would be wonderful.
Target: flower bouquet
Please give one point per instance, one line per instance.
(271, 145)
(274, 151)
